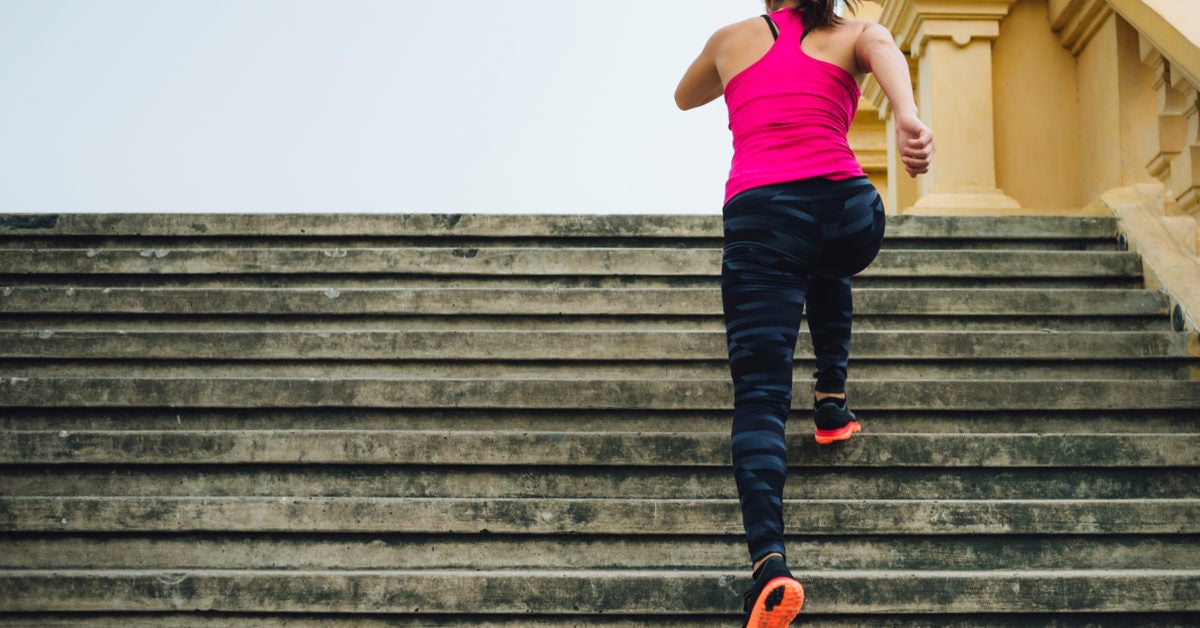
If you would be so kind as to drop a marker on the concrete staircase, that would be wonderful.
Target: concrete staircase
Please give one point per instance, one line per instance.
(434, 420)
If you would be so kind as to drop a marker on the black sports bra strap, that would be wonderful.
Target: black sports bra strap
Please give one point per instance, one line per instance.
(771, 23)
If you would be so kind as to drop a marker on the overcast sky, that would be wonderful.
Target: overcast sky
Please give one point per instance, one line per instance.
(357, 106)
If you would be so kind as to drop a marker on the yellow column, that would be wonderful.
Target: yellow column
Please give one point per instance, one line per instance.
(952, 42)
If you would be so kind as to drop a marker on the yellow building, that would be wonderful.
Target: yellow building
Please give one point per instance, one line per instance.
(1053, 107)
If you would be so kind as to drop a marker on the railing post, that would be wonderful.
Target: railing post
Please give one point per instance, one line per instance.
(952, 42)
(1176, 163)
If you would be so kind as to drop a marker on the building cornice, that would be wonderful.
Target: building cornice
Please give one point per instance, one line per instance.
(1077, 21)
(915, 22)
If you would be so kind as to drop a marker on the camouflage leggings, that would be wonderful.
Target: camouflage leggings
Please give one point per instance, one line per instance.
(786, 245)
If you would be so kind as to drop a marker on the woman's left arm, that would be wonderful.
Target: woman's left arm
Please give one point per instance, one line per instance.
(701, 84)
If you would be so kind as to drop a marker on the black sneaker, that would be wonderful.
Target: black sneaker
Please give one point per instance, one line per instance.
(775, 597)
(834, 421)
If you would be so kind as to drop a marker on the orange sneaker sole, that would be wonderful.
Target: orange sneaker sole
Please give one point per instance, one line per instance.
(778, 604)
(824, 437)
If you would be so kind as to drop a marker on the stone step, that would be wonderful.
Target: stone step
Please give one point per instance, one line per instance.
(180, 321)
(585, 592)
(913, 242)
(917, 420)
(324, 419)
(576, 301)
(521, 226)
(371, 283)
(589, 516)
(509, 283)
(836, 481)
(583, 344)
(263, 392)
(607, 620)
(373, 447)
(375, 551)
(899, 370)
(535, 262)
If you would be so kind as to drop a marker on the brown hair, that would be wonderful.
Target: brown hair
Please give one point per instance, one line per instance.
(819, 13)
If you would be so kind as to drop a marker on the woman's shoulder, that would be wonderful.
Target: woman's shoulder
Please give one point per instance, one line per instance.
(852, 28)
(847, 33)
(744, 28)
(736, 36)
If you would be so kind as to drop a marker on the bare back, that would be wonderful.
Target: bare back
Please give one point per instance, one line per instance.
(744, 43)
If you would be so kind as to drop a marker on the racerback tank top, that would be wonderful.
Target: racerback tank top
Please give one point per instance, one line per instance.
(789, 114)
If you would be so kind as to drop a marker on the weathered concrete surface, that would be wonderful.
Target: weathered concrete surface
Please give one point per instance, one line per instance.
(250, 411)
(490, 225)
(980, 323)
(572, 301)
(529, 482)
(607, 591)
(567, 448)
(1169, 264)
(922, 420)
(498, 552)
(589, 516)
(890, 620)
(571, 373)
(584, 344)
(532, 261)
(578, 394)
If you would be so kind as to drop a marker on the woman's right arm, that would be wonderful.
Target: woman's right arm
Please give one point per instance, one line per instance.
(876, 52)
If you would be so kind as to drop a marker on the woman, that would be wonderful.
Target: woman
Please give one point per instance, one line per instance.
(800, 218)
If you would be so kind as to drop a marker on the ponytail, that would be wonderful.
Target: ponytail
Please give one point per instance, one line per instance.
(819, 13)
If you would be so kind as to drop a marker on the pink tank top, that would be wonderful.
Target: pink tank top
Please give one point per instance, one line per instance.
(790, 114)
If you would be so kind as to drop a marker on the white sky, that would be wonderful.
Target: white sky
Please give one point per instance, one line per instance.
(357, 106)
